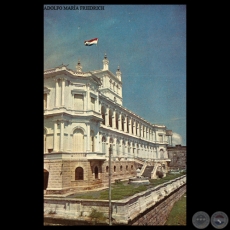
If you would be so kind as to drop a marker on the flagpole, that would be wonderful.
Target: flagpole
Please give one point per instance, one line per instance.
(98, 57)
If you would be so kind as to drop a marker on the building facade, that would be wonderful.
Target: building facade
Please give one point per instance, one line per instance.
(85, 121)
(177, 156)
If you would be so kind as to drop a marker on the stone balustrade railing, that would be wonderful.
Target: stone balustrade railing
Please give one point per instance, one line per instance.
(122, 210)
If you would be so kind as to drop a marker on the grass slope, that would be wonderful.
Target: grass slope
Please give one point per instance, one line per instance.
(177, 215)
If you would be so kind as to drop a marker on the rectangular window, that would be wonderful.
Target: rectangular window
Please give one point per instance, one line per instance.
(161, 138)
(78, 102)
(92, 103)
(92, 144)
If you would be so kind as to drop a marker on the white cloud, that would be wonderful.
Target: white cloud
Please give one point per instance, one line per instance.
(176, 139)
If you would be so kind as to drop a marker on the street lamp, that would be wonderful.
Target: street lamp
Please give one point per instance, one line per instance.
(110, 208)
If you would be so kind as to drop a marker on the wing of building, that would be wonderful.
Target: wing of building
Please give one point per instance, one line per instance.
(83, 118)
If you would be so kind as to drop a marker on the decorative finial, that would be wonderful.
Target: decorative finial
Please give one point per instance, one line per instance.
(105, 56)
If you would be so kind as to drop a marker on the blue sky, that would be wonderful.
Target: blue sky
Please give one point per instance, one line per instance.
(148, 42)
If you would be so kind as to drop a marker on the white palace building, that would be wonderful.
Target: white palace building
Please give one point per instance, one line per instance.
(83, 118)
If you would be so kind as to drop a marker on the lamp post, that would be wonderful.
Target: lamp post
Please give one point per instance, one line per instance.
(110, 208)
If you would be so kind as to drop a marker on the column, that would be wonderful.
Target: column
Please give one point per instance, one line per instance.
(119, 123)
(61, 135)
(56, 92)
(70, 139)
(55, 137)
(88, 99)
(97, 139)
(107, 116)
(147, 133)
(62, 91)
(88, 149)
(126, 149)
(141, 133)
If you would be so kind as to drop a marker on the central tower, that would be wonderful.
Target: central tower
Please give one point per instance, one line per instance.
(111, 84)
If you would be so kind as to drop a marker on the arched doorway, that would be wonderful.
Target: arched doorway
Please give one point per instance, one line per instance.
(79, 173)
(96, 172)
(46, 178)
(161, 154)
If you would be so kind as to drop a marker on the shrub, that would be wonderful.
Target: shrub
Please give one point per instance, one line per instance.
(97, 216)
(159, 174)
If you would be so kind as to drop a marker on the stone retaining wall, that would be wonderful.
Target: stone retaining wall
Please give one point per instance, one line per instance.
(150, 207)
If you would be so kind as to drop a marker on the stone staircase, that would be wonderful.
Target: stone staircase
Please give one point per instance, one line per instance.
(147, 171)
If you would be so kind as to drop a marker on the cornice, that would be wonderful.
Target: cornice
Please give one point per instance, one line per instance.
(46, 90)
(102, 73)
(63, 70)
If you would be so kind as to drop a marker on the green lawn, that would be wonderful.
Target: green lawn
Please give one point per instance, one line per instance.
(177, 215)
(122, 189)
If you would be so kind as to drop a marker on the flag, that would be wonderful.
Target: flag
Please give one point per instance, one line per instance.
(91, 42)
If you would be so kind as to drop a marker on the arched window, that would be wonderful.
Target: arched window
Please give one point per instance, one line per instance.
(92, 99)
(110, 81)
(103, 114)
(117, 147)
(161, 154)
(123, 147)
(114, 168)
(138, 149)
(131, 167)
(121, 168)
(107, 169)
(79, 173)
(127, 168)
(78, 141)
(103, 144)
(132, 123)
(117, 88)
(129, 147)
(117, 120)
(110, 117)
(122, 122)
